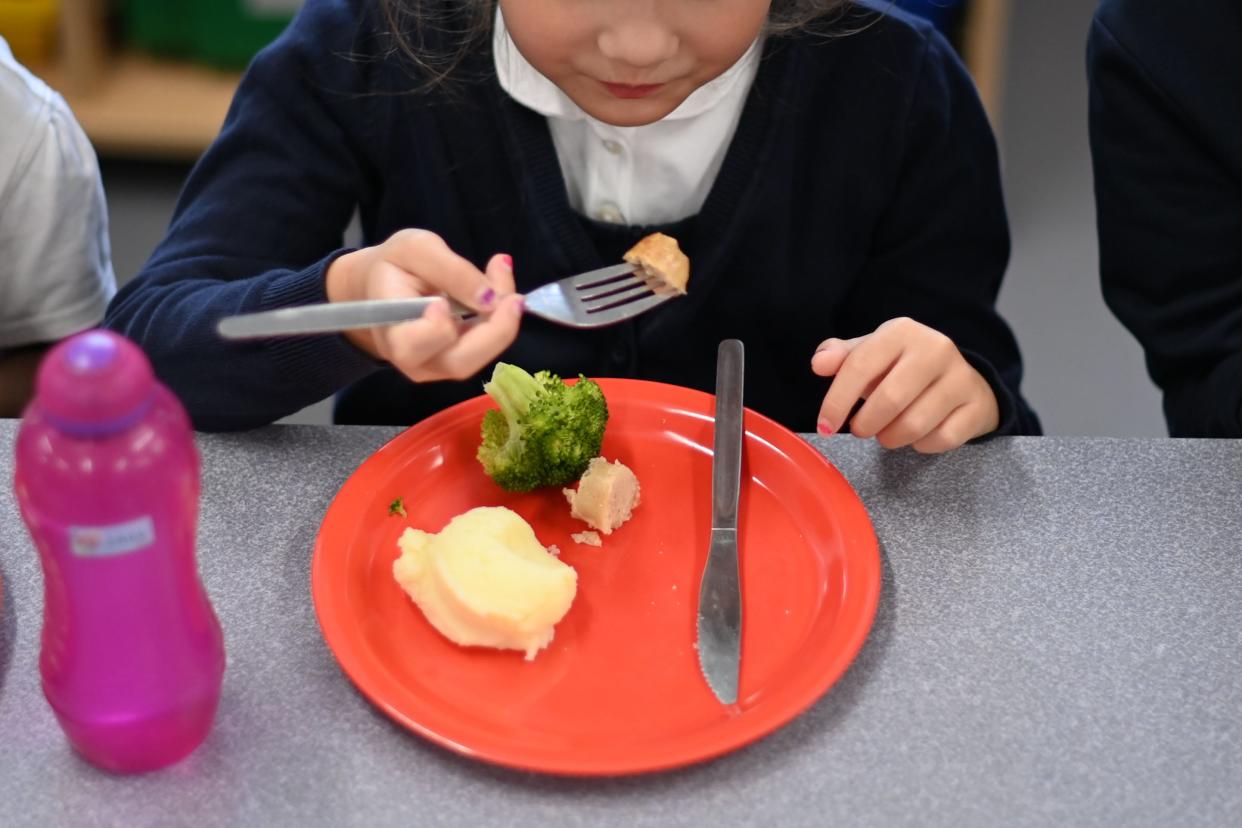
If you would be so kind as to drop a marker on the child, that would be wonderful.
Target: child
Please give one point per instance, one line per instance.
(55, 265)
(1166, 142)
(828, 169)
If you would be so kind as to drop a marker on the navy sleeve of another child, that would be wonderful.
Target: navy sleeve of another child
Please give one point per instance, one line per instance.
(262, 215)
(1166, 141)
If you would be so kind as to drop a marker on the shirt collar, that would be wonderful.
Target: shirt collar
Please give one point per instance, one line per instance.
(527, 86)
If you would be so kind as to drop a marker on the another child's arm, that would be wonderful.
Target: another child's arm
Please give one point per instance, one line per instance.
(57, 271)
(1165, 146)
(920, 339)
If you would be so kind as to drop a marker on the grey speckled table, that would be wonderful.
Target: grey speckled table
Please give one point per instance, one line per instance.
(1059, 641)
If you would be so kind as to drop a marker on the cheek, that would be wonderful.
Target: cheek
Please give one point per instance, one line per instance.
(720, 39)
(544, 33)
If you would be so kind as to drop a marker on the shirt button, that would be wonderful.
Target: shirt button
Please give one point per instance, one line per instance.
(610, 213)
(613, 146)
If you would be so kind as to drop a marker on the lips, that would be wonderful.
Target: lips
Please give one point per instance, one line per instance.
(630, 90)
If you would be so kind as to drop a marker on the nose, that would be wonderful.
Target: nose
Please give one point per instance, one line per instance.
(640, 41)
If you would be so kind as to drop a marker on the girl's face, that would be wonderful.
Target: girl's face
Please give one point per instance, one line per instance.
(631, 62)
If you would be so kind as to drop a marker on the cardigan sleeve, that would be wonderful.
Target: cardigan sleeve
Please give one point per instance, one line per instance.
(261, 217)
(1169, 219)
(942, 244)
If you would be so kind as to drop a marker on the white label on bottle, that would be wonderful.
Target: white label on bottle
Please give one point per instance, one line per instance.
(273, 8)
(107, 541)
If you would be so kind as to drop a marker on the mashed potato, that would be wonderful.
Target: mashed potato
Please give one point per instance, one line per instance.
(486, 581)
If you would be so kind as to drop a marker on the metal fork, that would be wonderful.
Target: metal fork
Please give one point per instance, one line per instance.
(588, 300)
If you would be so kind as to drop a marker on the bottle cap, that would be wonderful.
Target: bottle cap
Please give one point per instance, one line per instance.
(95, 383)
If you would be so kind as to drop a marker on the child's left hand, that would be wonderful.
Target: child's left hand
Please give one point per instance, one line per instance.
(919, 389)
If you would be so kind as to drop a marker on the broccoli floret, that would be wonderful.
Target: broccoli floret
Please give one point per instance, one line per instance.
(545, 432)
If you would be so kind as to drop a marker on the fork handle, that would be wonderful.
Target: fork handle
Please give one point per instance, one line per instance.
(329, 317)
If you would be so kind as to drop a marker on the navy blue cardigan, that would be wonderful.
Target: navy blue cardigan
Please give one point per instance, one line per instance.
(862, 184)
(1166, 142)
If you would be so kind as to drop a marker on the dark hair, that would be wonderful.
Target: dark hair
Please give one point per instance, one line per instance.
(458, 27)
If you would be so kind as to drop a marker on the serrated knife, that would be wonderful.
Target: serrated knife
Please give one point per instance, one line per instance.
(720, 592)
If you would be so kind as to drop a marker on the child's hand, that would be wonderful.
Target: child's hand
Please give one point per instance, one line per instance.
(919, 389)
(436, 346)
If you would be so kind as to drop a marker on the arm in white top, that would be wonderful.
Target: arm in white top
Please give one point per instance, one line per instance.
(55, 261)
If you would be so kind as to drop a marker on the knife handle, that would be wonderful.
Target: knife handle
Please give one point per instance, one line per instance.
(727, 444)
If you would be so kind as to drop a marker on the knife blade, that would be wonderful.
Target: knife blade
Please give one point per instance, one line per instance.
(323, 318)
(720, 593)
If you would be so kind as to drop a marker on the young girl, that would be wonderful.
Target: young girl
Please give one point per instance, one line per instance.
(828, 169)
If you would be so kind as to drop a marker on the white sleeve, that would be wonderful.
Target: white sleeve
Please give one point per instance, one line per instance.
(55, 260)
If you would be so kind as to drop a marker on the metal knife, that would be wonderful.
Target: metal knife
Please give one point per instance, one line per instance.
(324, 318)
(720, 593)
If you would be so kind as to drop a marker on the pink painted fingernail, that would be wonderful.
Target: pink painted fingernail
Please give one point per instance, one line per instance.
(519, 307)
(487, 297)
(507, 259)
(825, 427)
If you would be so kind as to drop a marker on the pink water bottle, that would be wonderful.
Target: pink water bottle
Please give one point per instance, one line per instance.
(108, 482)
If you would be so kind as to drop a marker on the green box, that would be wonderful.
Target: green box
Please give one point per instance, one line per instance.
(228, 33)
(222, 33)
(160, 27)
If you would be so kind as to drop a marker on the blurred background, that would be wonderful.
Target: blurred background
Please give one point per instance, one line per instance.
(150, 81)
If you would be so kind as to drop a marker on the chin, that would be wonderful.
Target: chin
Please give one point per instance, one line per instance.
(631, 113)
(625, 112)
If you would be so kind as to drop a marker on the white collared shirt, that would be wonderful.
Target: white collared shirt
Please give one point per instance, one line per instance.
(652, 174)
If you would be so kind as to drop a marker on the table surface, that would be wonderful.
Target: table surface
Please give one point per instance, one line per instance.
(1058, 640)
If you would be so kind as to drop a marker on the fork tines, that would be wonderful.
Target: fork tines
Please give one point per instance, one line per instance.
(598, 295)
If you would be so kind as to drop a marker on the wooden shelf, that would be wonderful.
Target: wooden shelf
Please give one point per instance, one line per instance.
(985, 39)
(148, 108)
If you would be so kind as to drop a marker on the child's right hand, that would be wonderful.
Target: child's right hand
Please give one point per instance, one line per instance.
(438, 345)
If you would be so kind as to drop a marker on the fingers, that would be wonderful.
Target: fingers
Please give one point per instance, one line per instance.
(499, 274)
(388, 280)
(499, 277)
(956, 408)
(831, 354)
(478, 345)
(919, 419)
(437, 269)
(439, 345)
(857, 374)
(960, 426)
(911, 387)
(915, 374)
(409, 345)
(385, 280)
